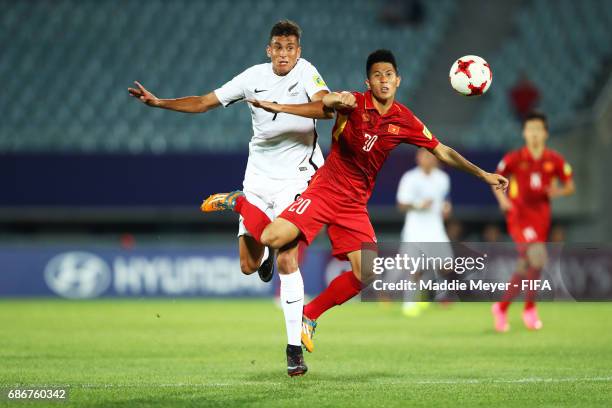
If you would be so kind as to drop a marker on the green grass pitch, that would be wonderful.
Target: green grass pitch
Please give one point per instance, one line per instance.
(131, 353)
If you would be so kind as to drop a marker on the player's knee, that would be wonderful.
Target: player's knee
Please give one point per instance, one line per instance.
(521, 267)
(537, 256)
(537, 262)
(266, 238)
(357, 272)
(271, 238)
(287, 263)
(248, 266)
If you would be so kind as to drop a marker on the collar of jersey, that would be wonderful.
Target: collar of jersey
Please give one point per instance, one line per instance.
(526, 154)
(369, 105)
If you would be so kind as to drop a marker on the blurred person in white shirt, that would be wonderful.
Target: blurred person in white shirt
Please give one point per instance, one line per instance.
(423, 195)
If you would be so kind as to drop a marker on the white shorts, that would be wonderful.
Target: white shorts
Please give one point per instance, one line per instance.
(271, 196)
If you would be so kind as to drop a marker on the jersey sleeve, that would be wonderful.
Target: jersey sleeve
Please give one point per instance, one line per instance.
(345, 116)
(232, 91)
(505, 165)
(405, 190)
(563, 170)
(416, 133)
(312, 80)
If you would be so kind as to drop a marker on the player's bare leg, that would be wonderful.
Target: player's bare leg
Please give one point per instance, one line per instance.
(256, 257)
(275, 234)
(280, 233)
(251, 253)
(355, 260)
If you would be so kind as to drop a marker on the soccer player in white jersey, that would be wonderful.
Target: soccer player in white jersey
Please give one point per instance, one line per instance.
(283, 156)
(423, 194)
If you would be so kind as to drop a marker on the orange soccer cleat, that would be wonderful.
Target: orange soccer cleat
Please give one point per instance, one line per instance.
(221, 201)
(308, 329)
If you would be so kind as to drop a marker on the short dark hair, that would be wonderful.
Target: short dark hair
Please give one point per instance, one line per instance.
(536, 115)
(380, 56)
(285, 28)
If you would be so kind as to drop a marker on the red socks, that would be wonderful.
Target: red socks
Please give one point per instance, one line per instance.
(513, 291)
(530, 295)
(341, 289)
(254, 219)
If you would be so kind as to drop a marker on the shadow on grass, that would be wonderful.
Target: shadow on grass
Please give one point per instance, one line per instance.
(201, 397)
(267, 387)
(274, 377)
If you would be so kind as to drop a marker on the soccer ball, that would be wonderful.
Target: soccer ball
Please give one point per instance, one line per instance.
(471, 75)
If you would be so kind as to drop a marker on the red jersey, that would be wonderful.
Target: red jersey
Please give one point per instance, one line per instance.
(530, 180)
(362, 140)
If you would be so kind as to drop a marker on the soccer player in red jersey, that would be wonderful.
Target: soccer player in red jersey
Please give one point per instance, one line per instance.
(368, 127)
(535, 173)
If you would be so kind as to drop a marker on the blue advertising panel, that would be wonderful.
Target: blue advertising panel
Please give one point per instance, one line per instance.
(86, 272)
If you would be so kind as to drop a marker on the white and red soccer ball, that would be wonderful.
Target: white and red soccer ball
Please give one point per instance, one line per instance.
(471, 75)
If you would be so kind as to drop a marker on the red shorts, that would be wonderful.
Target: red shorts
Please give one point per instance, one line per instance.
(348, 222)
(525, 230)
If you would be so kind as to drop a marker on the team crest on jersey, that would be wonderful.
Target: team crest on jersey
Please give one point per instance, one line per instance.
(548, 166)
(292, 91)
(394, 129)
(318, 80)
(365, 117)
(426, 132)
(523, 165)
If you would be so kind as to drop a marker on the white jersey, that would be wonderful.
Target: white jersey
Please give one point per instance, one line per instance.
(415, 187)
(283, 146)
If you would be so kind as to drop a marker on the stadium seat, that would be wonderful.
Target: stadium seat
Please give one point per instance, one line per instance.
(542, 47)
(66, 66)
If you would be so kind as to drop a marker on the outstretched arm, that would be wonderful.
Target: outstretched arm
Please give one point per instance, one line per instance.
(187, 104)
(323, 109)
(313, 110)
(449, 156)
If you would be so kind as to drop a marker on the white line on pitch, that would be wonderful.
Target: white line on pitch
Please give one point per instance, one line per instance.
(267, 383)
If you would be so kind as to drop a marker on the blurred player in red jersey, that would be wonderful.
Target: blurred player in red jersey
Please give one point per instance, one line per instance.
(368, 127)
(535, 174)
